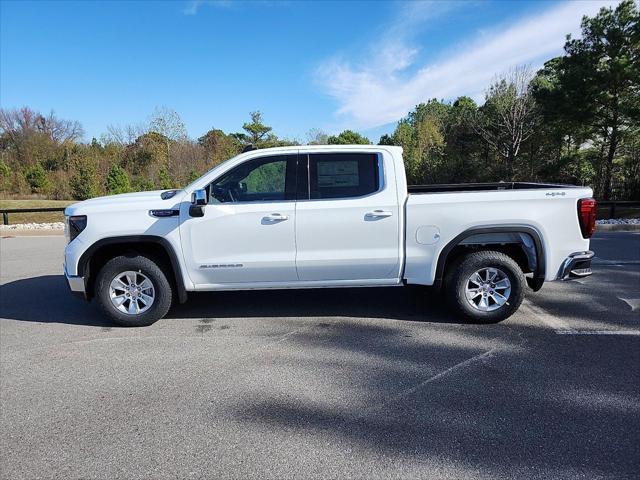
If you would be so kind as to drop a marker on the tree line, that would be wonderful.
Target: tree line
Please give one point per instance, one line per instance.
(576, 120)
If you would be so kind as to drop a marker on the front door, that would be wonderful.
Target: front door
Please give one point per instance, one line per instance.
(247, 232)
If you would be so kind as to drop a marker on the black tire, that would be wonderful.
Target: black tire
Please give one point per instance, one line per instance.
(458, 277)
(163, 291)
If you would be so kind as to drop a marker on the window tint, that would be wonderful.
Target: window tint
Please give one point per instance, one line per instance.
(259, 180)
(343, 175)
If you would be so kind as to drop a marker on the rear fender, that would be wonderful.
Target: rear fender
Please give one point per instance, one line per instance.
(526, 237)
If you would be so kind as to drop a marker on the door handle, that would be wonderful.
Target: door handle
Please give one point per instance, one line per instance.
(378, 214)
(275, 217)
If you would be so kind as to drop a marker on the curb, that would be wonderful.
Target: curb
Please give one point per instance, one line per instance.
(30, 233)
(601, 227)
(617, 227)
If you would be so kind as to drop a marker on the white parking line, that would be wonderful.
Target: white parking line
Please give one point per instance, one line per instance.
(598, 332)
(549, 320)
(614, 263)
(634, 303)
(560, 327)
(404, 393)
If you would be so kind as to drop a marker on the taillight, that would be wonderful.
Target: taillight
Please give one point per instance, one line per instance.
(587, 216)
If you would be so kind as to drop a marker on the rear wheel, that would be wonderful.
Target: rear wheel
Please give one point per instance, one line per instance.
(133, 291)
(485, 286)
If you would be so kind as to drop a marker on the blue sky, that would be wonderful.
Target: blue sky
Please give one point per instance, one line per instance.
(327, 65)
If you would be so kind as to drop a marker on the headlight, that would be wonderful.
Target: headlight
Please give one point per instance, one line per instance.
(74, 225)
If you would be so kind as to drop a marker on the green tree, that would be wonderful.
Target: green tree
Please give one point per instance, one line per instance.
(421, 134)
(19, 184)
(463, 145)
(596, 83)
(142, 184)
(5, 177)
(164, 179)
(5, 170)
(258, 134)
(117, 180)
(84, 182)
(348, 137)
(36, 177)
(386, 139)
(193, 175)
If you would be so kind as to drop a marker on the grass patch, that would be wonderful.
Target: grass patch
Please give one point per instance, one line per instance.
(41, 217)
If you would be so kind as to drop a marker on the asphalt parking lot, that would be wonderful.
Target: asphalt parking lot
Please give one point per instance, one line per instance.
(362, 383)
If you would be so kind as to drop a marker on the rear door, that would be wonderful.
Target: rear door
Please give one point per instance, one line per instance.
(347, 227)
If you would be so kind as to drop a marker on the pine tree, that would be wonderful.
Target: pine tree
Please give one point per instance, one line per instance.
(118, 180)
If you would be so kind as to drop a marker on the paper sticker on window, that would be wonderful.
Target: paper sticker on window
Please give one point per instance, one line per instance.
(338, 174)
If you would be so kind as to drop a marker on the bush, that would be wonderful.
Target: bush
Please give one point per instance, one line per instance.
(36, 177)
(164, 180)
(141, 184)
(5, 177)
(60, 189)
(193, 176)
(5, 171)
(19, 184)
(118, 180)
(84, 183)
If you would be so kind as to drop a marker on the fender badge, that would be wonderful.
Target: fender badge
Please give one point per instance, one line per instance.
(164, 213)
(222, 265)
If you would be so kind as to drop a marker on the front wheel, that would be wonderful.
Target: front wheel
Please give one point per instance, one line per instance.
(485, 286)
(133, 291)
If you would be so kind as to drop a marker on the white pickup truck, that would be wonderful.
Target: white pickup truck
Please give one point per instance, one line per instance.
(326, 216)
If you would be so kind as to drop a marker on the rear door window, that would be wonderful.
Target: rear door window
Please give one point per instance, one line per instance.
(343, 175)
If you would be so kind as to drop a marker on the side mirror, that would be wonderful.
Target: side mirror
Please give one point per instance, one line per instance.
(199, 198)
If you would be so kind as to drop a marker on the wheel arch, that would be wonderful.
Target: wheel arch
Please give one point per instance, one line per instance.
(480, 236)
(157, 247)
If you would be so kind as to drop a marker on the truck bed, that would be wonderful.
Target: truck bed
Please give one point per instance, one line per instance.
(436, 214)
(475, 187)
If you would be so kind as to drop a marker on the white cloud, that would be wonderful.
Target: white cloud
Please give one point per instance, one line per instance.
(380, 90)
(194, 5)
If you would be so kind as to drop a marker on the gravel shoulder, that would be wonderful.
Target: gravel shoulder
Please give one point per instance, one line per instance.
(57, 228)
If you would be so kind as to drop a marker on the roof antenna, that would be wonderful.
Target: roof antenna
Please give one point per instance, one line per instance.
(249, 148)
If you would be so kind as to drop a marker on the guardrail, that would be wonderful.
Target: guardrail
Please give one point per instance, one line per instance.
(612, 204)
(6, 212)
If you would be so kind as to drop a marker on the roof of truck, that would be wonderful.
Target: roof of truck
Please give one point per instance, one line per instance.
(325, 148)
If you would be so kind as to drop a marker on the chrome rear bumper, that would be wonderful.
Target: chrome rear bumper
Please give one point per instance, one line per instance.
(577, 265)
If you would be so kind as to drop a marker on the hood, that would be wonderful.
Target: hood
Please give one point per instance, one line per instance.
(127, 201)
